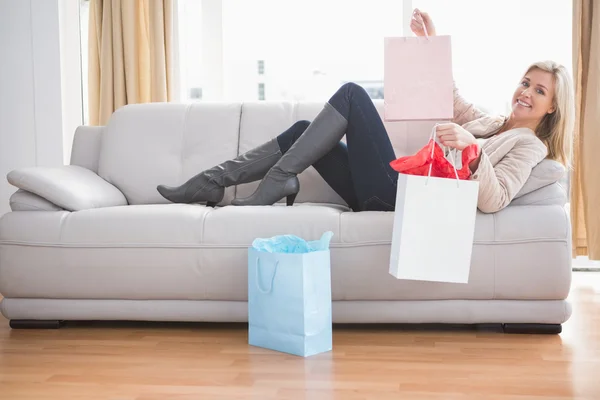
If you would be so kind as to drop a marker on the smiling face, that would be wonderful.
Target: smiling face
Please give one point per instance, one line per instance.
(534, 97)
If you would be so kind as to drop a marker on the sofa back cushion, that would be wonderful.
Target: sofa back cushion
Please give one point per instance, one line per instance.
(144, 145)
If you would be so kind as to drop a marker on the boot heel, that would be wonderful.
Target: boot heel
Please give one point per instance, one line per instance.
(290, 199)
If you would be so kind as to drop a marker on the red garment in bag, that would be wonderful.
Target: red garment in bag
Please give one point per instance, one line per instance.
(418, 163)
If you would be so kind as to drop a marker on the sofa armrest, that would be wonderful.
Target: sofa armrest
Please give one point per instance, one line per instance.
(546, 195)
(70, 187)
(22, 200)
(545, 173)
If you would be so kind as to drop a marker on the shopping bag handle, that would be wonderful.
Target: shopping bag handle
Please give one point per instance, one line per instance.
(452, 152)
(260, 289)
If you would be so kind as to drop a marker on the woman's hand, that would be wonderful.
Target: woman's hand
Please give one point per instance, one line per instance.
(455, 136)
(421, 20)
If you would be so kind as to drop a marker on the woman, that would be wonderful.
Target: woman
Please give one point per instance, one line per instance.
(539, 126)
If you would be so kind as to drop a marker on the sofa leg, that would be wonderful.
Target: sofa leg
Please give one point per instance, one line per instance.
(35, 324)
(548, 329)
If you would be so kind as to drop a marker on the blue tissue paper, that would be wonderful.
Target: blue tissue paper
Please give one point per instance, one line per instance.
(292, 244)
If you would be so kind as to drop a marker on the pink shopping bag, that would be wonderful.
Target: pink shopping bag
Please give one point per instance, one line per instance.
(418, 82)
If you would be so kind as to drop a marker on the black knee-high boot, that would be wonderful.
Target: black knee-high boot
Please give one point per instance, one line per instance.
(209, 186)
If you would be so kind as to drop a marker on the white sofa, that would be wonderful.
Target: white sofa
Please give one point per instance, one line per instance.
(94, 240)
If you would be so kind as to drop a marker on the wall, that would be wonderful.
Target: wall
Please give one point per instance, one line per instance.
(31, 131)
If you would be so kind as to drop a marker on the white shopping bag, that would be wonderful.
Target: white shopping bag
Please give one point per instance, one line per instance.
(434, 226)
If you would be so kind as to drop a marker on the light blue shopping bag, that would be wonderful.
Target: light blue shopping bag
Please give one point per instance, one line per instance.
(289, 301)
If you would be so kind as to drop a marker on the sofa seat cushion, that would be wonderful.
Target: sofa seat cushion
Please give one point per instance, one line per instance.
(239, 226)
(515, 255)
(514, 224)
(191, 252)
(170, 251)
(126, 226)
(170, 225)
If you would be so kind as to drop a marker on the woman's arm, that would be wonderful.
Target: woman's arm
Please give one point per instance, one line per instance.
(463, 110)
(499, 184)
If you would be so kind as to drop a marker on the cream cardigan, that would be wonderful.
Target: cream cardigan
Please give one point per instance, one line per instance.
(506, 159)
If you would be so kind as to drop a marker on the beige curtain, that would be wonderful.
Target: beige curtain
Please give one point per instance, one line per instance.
(585, 183)
(130, 55)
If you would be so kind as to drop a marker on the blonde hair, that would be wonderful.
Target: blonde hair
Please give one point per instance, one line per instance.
(556, 129)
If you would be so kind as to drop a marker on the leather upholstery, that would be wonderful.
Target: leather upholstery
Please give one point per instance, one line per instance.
(154, 260)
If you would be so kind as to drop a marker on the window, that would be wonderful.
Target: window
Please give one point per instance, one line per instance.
(311, 47)
(304, 49)
(493, 42)
(261, 67)
(490, 54)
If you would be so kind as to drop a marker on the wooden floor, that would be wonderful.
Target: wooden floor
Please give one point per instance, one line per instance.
(160, 362)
